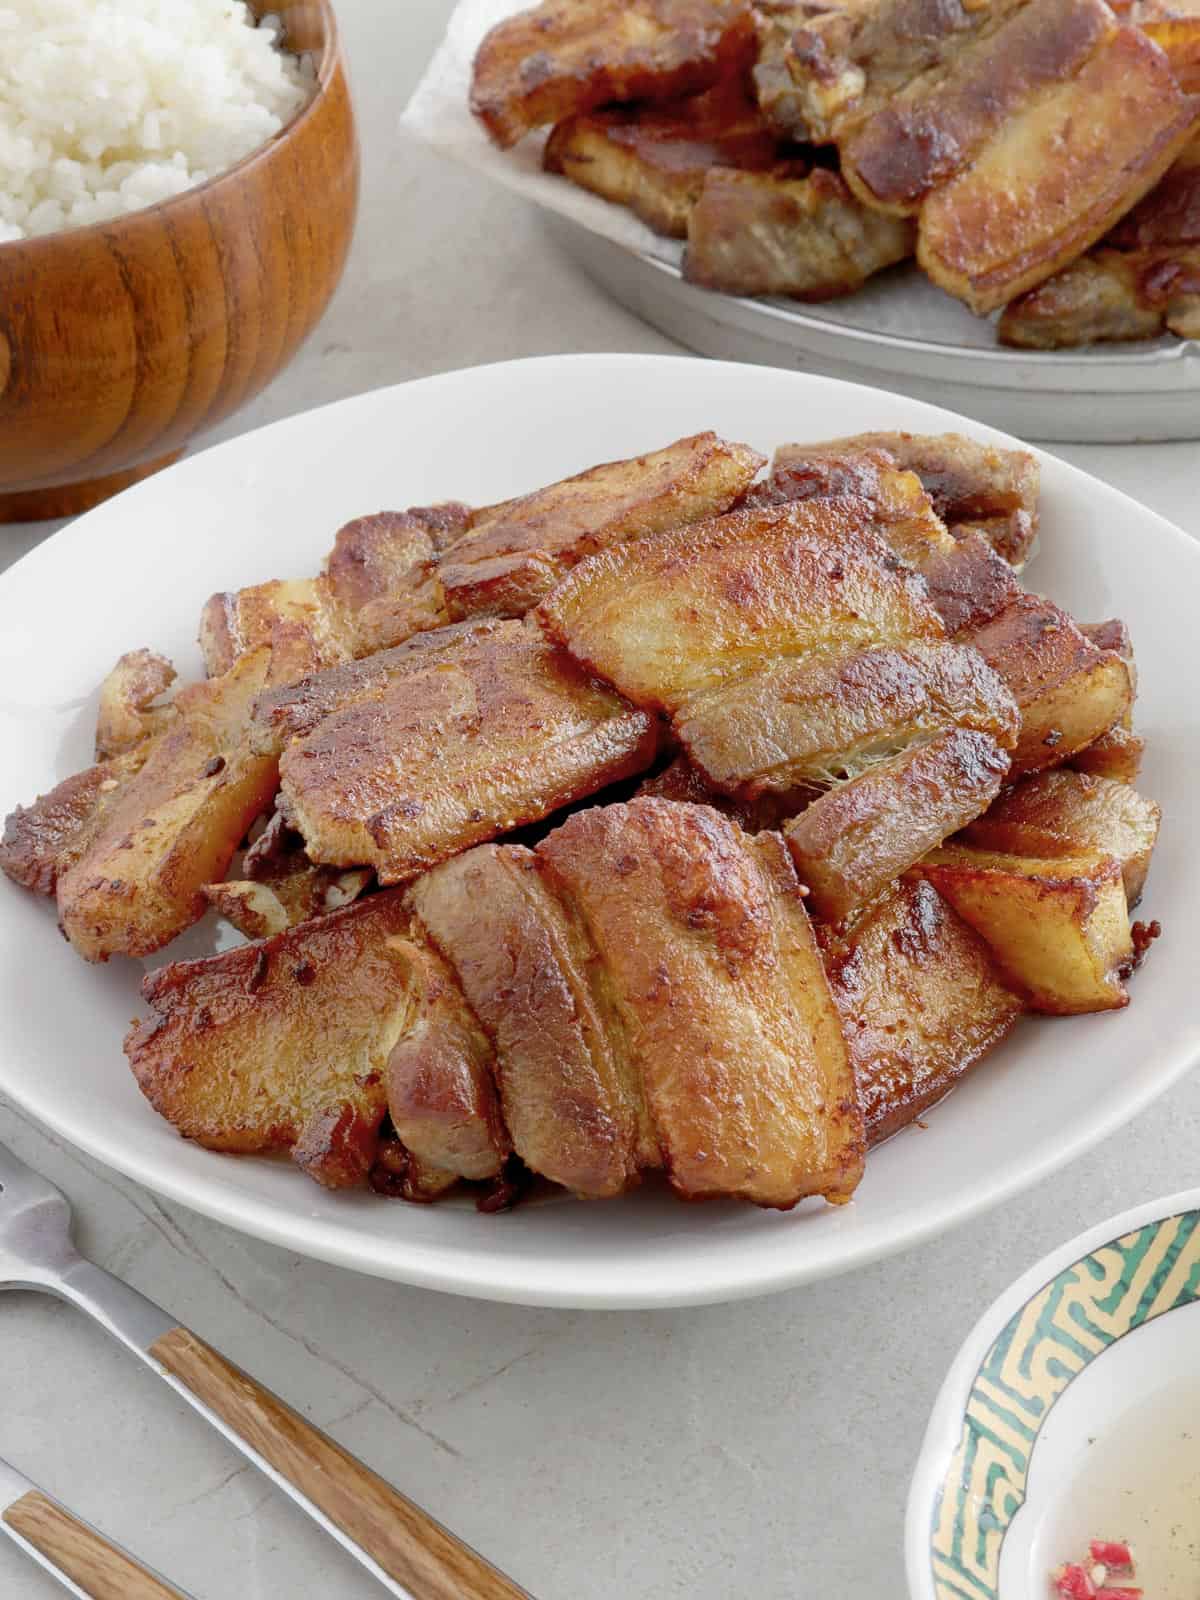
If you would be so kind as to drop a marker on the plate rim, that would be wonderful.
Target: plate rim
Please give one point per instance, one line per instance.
(413, 1261)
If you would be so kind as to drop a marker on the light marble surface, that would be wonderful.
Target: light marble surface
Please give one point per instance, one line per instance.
(755, 1449)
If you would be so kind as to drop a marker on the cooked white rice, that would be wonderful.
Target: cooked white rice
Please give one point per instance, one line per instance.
(107, 106)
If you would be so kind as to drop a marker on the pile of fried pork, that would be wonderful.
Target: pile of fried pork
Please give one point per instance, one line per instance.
(673, 817)
(1038, 157)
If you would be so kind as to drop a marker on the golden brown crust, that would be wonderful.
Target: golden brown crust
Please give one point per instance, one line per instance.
(1068, 691)
(856, 839)
(515, 551)
(921, 1001)
(1070, 813)
(379, 578)
(282, 1045)
(723, 1001)
(570, 56)
(175, 826)
(971, 584)
(819, 721)
(942, 120)
(972, 487)
(654, 159)
(573, 1105)
(789, 232)
(1116, 754)
(292, 616)
(46, 839)
(1090, 150)
(669, 618)
(1058, 927)
(502, 734)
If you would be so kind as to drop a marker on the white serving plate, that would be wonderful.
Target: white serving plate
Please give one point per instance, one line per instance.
(136, 571)
(1072, 1412)
(899, 332)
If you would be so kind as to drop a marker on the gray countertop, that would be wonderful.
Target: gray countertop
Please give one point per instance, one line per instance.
(760, 1449)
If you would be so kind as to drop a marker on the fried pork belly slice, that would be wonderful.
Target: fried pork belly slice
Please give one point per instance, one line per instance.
(294, 710)
(127, 712)
(1070, 813)
(820, 721)
(1170, 213)
(501, 734)
(860, 835)
(971, 584)
(902, 509)
(671, 618)
(1057, 926)
(1116, 754)
(380, 576)
(789, 232)
(440, 1087)
(849, 60)
(943, 119)
(1108, 296)
(565, 57)
(175, 826)
(43, 841)
(1089, 151)
(284, 1044)
(724, 1008)
(921, 1003)
(292, 616)
(654, 159)
(1068, 691)
(973, 487)
(572, 1099)
(516, 551)
(281, 886)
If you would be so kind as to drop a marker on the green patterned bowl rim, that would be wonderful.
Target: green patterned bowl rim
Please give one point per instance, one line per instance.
(1022, 1355)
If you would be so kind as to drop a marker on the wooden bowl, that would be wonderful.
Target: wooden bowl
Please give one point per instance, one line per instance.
(119, 342)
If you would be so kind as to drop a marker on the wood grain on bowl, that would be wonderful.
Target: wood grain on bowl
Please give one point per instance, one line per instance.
(121, 341)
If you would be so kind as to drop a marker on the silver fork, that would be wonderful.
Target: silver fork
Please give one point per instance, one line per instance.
(409, 1553)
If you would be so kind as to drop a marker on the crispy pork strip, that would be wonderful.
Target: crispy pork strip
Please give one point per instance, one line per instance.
(789, 231)
(440, 1087)
(292, 613)
(296, 709)
(679, 780)
(856, 839)
(175, 826)
(380, 578)
(849, 60)
(667, 619)
(724, 1006)
(1091, 149)
(1071, 813)
(921, 1002)
(1068, 691)
(516, 551)
(1057, 926)
(1170, 213)
(943, 119)
(282, 1045)
(569, 56)
(1108, 296)
(902, 509)
(43, 841)
(780, 98)
(973, 487)
(654, 159)
(824, 720)
(500, 734)
(572, 1099)
(127, 713)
